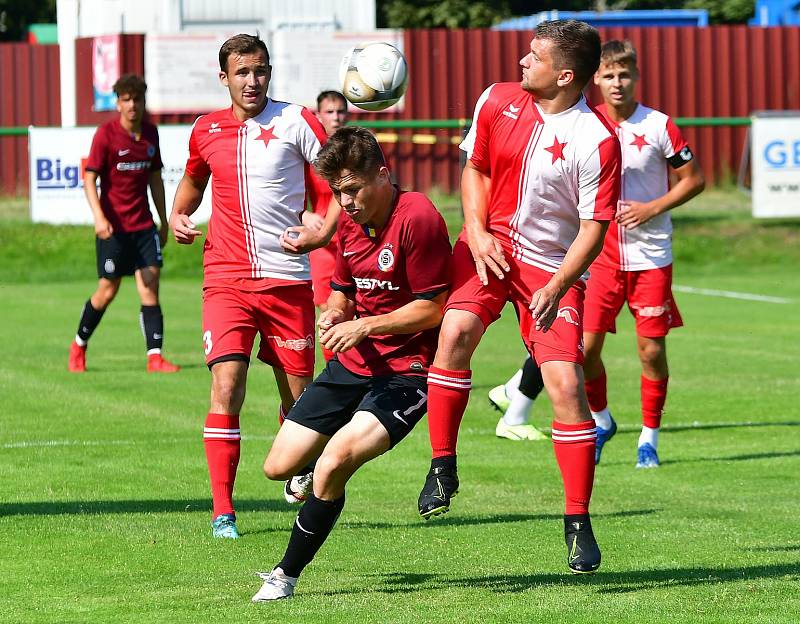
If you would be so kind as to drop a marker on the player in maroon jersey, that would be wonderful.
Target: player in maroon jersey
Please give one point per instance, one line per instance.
(257, 151)
(390, 283)
(125, 156)
(539, 188)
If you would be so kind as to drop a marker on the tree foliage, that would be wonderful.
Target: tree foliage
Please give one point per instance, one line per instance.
(17, 15)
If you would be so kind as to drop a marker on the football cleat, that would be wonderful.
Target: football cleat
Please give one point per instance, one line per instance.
(224, 526)
(583, 553)
(297, 489)
(603, 436)
(518, 432)
(157, 364)
(498, 398)
(77, 358)
(647, 457)
(276, 586)
(441, 485)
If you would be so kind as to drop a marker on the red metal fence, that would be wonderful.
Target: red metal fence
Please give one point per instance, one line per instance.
(29, 94)
(721, 71)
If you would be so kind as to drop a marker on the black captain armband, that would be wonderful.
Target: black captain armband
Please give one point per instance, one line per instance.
(431, 294)
(681, 158)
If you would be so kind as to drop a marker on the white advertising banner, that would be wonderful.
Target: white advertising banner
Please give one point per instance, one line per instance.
(306, 63)
(182, 72)
(775, 161)
(57, 160)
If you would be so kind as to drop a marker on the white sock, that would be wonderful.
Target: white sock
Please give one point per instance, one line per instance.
(154, 352)
(80, 341)
(602, 418)
(519, 410)
(512, 385)
(649, 436)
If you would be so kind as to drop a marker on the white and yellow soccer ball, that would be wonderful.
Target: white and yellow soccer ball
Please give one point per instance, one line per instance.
(374, 76)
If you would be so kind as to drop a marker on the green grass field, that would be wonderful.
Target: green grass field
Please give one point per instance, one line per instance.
(105, 505)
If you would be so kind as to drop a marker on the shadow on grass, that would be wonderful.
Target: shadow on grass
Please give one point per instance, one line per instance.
(605, 582)
(701, 427)
(55, 508)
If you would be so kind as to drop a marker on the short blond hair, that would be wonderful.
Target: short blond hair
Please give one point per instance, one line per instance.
(616, 52)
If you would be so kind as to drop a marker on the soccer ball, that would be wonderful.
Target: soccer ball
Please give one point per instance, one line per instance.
(373, 75)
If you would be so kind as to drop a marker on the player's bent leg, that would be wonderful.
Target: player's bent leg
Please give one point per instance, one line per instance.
(222, 438)
(294, 447)
(298, 484)
(361, 440)
(92, 313)
(449, 384)
(574, 446)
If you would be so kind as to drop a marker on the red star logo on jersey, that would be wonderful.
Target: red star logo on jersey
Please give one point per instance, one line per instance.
(639, 141)
(556, 149)
(267, 134)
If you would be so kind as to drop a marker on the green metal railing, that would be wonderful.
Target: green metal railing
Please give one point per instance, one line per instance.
(461, 124)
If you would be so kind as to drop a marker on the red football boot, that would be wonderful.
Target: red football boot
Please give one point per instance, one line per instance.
(157, 364)
(77, 358)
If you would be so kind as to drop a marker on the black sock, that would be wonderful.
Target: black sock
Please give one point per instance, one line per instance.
(152, 322)
(311, 528)
(445, 461)
(90, 319)
(531, 383)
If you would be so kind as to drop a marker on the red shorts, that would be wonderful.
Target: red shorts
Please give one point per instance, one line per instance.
(282, 315)
(323, 262)
(649, 297)
(563, 342)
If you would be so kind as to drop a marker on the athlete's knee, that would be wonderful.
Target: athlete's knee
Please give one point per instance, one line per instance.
(227, 393)
(105, 293)
(563, 388)
(333, 463)
(459, 335)
(652, 353)
(276, 468)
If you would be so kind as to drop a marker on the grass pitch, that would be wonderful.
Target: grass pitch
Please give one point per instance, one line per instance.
(105, 505)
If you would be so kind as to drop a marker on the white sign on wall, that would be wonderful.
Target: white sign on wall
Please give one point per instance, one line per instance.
(306, 63)
(182, 73)
(775, 161)
(57, 160)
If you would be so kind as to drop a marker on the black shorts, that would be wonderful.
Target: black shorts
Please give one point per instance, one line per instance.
(125, 252)
(329, 402)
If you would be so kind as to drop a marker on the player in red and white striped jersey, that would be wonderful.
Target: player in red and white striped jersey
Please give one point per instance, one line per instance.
(635, 265)
(538, 191)
(255, 280)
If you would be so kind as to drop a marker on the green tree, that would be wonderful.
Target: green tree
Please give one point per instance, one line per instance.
(441, 13)
(17, 15)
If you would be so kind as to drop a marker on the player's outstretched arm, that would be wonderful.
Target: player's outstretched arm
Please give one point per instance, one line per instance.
(187, 200)
(690, 182)
(584, 249)
(486, 249)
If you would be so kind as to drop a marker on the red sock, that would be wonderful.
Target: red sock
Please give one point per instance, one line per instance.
(654, 395)
(448, 393)
(596, 393)
(222, 437)
(574, 448)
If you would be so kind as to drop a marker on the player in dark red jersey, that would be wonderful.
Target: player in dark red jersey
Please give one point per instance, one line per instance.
(539, 188)
(391, 280)
(125, 156)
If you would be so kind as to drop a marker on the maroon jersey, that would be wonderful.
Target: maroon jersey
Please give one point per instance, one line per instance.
(124, 166)
(407, 259)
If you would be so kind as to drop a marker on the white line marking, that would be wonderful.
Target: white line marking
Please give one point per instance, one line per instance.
(730, 294)
(55, 443)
